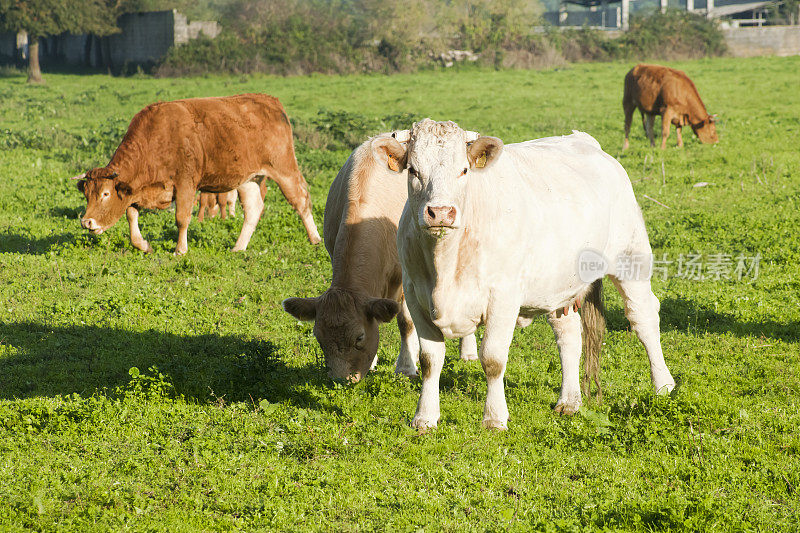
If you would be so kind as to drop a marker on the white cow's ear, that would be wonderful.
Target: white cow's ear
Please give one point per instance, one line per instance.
(484, 151)
(389, 153)
(301, 308)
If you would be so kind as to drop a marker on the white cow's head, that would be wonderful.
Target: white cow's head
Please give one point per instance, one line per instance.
(441, 158)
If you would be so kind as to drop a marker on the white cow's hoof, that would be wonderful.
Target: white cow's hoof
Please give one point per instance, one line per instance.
(664, 390)
(423, 423)
(407, 372)
(469, 356)
(567, 408)
(499, 425)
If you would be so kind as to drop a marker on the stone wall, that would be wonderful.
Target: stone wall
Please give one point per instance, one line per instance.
(764, 41)
(185, 31)
(144, 38)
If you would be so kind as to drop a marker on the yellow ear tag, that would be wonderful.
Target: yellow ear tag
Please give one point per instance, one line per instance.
(481, 161)
(393, 163)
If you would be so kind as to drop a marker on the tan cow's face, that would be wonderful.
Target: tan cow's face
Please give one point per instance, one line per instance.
(706, 131)
(346, 327)
(107, 198)
(440, 164)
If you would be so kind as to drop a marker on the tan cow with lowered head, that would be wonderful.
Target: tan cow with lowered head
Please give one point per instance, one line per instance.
(363, 208)
(657, 90)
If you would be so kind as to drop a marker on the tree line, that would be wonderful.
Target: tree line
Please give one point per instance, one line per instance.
(335, 36)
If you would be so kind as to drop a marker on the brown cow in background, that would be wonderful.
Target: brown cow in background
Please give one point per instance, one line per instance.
(173, 149)
(657, 90)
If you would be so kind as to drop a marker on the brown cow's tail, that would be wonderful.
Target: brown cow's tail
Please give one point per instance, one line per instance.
(594, 326)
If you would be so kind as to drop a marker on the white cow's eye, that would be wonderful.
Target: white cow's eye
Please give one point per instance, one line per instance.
(413, 171)
(464, 171)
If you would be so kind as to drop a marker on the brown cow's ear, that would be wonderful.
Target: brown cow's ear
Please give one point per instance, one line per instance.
(390, 153)
(123, 189)
(484, 151)
(81, 184)
(382, 309)
(301, 308)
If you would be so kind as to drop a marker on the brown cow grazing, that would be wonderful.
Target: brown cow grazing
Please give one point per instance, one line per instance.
(217, 204)
(360, 228)
(173, 149)
(657, 90)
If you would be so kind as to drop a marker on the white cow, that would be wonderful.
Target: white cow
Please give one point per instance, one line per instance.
(498, 234)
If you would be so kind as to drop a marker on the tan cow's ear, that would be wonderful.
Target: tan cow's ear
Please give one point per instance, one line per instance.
(81, 184)
(301, 308)
(389, 152)
(484, 151)
(382, 309)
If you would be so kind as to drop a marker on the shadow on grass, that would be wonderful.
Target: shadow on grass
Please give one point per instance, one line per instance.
(679, 314)
(14, 243)
(73, 213)
(48, 361)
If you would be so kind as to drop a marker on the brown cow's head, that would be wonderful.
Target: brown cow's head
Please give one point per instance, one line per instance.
(706, 130)
(346, 327)
(107, 198)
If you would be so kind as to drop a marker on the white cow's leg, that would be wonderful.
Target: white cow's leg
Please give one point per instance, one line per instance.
(408, 357)
(431, 361)
(641, 309)
(136, 236)
(494, 356)
(468, 347)
(567, 329)
(253, 205)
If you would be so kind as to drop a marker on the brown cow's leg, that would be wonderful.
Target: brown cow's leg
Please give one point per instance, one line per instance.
(201, 209)
(678, 133)
(227, 202)
(183, 215)
(136, 236)
(628, 120)
(649, 122)
(222, 202)
(253, 205)
(666, 121)
(295, 190)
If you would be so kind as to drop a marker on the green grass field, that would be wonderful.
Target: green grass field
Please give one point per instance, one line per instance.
(153, 392)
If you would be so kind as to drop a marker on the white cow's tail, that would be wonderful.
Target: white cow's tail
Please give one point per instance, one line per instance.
(594, 326)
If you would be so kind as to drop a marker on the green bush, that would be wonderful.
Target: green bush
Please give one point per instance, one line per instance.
(675, 34)
(303, 36)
